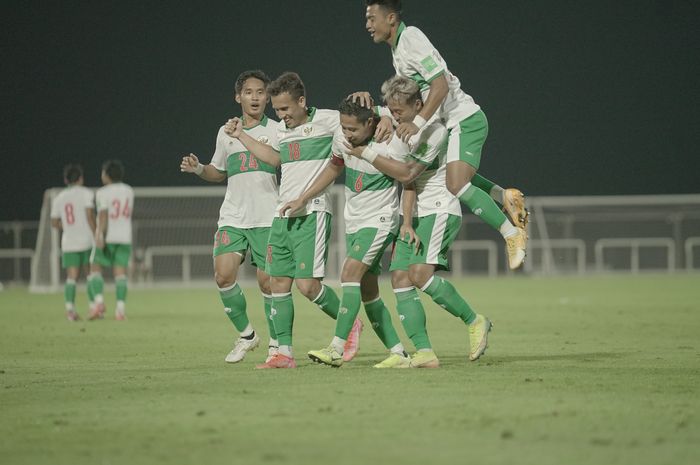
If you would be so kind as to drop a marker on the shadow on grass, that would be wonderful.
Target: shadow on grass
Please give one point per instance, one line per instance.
(503, 359)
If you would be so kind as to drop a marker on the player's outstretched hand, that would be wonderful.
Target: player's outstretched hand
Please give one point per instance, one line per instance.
(385, 129)
(363, 98)
(292, 207)
(406, 130)
(233, 127)
(408, 234)
(355, 151)
(189, 163)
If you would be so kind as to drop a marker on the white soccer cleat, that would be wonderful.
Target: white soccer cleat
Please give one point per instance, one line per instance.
(241, 347)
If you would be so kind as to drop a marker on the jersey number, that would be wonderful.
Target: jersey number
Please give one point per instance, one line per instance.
(358, 183)
(252, 162)
(70, 217)
(118, 211)
(294, 151)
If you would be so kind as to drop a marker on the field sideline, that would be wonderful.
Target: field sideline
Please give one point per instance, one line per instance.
(595, 370)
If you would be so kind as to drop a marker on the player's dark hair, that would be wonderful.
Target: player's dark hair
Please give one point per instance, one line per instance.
(289, 82)
(72, 172)
(251, 73)
(362, 113)
(394, 6)
(114, 169)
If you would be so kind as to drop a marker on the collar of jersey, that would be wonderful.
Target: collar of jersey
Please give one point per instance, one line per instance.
(401, 28)
(263, 122)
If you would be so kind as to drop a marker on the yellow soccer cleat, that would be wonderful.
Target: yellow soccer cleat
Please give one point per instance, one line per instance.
(424, 359)
(394, 361)
(327, 356)
(479, 336)
(514, 206)
(516, 246)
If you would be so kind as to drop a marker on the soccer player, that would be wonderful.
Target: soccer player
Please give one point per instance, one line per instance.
(73, 212)
(115, 203)
(297, 246)
(246, 212)
(415, 57)
(371, 220)
(425, 237)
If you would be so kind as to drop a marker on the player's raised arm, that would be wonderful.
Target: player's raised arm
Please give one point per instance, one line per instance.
(264, 152)
(190, 164)
(324, 179)
(404, 172)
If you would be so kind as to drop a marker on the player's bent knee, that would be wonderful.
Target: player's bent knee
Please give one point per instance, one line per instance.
(309, 287)
(224, 280)
(400, 280)
(419, 277)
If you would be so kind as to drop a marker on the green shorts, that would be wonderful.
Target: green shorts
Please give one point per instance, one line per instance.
(75, 259)
(298, 246)
(367, 246)
(111, 255)
(467, 139)
(238, 240)
(436, 233)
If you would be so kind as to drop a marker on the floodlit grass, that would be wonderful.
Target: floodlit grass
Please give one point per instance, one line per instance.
(598, 370)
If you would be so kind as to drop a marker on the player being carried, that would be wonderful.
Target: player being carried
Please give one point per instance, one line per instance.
(73, 213)
(415, 57)
(115, 203)
(371, 221)
(246, 212)
(297, 247)
(431, 220)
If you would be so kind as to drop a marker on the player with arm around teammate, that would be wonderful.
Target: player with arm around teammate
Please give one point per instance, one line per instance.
(246, 212)
(73, 213)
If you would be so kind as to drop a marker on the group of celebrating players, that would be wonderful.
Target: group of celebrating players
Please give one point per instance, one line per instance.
(428, 136)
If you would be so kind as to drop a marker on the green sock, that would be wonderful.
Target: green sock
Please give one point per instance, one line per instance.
(445, 295)
(90, 293)
(121, 288)
(267, 302)
(283, 317)
(379, 316)
(412, 316)
(349, 308)
(234, 306)
(97, 284)
(328, 301)
(69, 293)
(483, 206)
(483, 183)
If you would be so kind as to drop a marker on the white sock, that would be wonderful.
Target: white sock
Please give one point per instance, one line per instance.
(398, 349)
(99, 299)
(338, 344)
(425, 350)
(497, 193)
(247, 331)
(286, 350)
(507, 229)
(273, 343)
(121, 306)
(70, 306)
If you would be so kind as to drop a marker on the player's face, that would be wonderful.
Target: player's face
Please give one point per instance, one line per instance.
(253, 97)
(291, 111)
(404, 112)
(379, 23)
(355, 131)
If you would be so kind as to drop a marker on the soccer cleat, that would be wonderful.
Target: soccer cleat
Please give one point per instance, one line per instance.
(327, 356)
(516, 246)
(120, 315)
(278, 361)
(271, 352)
(424, 359)
(514, 206)
(241, 347)
(394, 361)
(352, 345)
(72, 315)
(97, 311)
(479, 336)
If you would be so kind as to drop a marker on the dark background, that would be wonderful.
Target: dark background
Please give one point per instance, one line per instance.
(596, 97)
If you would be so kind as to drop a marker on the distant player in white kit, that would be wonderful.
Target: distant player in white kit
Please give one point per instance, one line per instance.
(73, 213)
(115, 202)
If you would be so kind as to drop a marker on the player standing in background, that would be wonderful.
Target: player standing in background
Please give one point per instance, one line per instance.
(246, 212)
(73, 212)
(115, 202)
(432, 218)
(371, 221)
(298, 245)
(415, 57)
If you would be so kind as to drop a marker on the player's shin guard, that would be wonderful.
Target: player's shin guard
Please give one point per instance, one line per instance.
(349, 308)
(379, 317)
(482, 205)
(235, 306)
(412, 316)
(90, 293)
(327, 300)
(283, 317)
(494, 190)
(95, 280)
(69, 294)
(121, 285)
(267, 302)
(445, 295)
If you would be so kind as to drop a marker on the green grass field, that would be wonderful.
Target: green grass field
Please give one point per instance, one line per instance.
(599, 370)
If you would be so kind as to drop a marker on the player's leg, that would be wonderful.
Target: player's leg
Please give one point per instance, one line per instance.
(71, 263)
(257, 238)
(98, 259)
(463, 158)
(512, 200)
(122, 254)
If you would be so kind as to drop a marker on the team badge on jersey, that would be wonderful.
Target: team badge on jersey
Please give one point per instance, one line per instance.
(264, 139)
(308, 130)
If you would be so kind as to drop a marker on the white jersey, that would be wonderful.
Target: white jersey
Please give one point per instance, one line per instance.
(371, 197)
(429, 147)
(304, 152)
(118, 200)
(70, 206)
(251, 194)
(416, 58)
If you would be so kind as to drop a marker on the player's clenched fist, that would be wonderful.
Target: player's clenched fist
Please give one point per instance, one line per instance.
(233, 127)
(189, 163)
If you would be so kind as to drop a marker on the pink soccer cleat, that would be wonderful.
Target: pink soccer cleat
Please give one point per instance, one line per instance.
(278, 361)
(352, 346)
(97, 311)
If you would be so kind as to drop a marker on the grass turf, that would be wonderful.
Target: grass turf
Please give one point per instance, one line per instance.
(579, 370)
